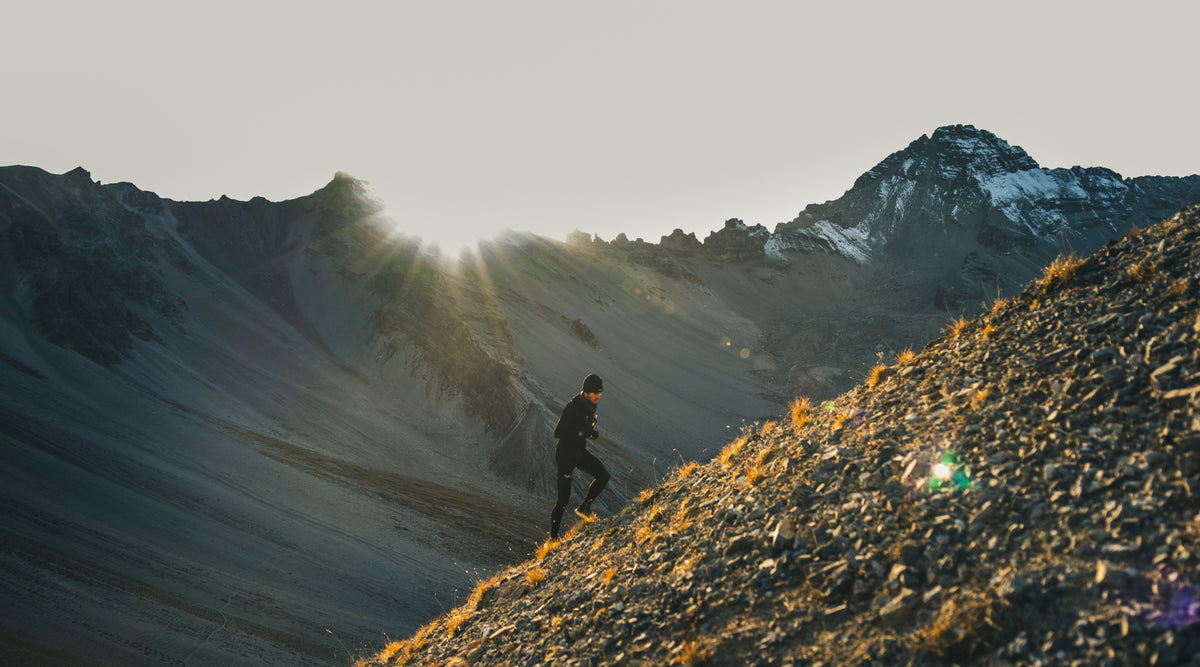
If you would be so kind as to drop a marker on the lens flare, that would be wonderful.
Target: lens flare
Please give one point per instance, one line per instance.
(947, 473)
(1171, 602)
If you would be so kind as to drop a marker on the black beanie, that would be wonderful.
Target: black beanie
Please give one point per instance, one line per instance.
(592, 384)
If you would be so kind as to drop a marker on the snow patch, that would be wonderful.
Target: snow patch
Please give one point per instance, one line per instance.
(1031, 184)
(852, 243)
(777, 247)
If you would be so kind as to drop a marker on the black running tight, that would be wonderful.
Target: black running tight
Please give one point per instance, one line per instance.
(567, 459)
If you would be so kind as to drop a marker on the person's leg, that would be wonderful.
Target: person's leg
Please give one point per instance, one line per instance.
(592, 466)
(564, 466)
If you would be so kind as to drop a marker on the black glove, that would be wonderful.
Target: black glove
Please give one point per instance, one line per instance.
(594, 434)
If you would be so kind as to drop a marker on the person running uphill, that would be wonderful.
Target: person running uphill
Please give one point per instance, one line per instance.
(575, 426)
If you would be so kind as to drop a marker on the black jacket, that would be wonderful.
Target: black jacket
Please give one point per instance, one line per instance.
(577, 422)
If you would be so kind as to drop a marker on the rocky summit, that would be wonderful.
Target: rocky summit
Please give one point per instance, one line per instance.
(1022, 491)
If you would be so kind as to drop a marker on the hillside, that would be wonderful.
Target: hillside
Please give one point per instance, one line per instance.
(1021, 491)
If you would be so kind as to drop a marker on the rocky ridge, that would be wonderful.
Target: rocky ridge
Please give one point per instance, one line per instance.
(1022, 491)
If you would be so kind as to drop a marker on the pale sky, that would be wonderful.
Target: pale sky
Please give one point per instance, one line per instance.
(469, 118)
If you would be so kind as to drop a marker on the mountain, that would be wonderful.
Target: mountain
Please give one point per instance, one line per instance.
(1021, 491)
(230, 426)
(984, 207)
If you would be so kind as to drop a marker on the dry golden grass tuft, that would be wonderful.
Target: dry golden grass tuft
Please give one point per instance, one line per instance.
(801, 412)
(579, 527)
(767, 427)
(645, 535)
(682, 519)
(876, 375)
(390, 651)
(455, 618)
(1061, 271)
(988, 329)
(1180, 287)
(692, 654)
(545, 548)
(980, 398)
(398, 653)
(645, 495)
(758, 469)
(906, 356)
(965, 625)
(732, 450)
(608, 575)
(1143, 271)
(957, 327)
(483, 588)
(686, 470)
(755, 475)
(535, 576)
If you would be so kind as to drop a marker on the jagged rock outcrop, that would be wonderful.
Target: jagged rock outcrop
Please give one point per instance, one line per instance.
(86, 263)
(680, 242)
(1022, 491)
(737, 242)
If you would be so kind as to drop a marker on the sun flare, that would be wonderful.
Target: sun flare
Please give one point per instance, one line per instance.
(447, 239)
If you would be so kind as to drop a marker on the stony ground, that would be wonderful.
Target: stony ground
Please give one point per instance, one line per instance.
(1025, 491)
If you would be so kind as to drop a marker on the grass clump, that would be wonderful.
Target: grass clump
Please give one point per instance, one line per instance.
(877, 374)
(691, 654)
(966, 626)
(398, 653)
(455, 618)
(685, 471)
(535, 576)
(957, 327)
(682, 519)
(1143, 271)
(999, 304)
(731, 451)
(758, 470)
(905, 356)
(545, 548)
(644, 535)
(980, 398)
(801, 412)
(1060, 272)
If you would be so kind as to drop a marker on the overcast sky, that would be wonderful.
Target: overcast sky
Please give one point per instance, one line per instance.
(469, 118)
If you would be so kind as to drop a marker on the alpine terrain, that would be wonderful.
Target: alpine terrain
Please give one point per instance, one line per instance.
(1022, 491)
(246, 432)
